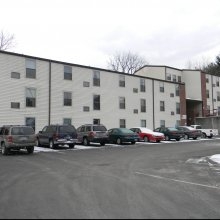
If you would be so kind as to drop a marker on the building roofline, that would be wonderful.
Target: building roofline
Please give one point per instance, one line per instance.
(90, 67)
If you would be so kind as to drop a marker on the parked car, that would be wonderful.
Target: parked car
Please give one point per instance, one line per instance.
(190, 132)
(17, 137)
(95, 133)
(206, 132)
(120, 135)
(170, 133)
(54, 135)
(148, 135)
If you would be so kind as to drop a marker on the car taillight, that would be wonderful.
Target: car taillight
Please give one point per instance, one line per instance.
(10, 139)
(91, 134)
(56, 136)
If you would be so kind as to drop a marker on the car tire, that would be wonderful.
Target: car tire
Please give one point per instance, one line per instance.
(204, 135)
(102, 143)
(118, 141)
(177, 139)
(167, 138)
(38, 142)
(30, 150)
(51, 144)
(146, 139)
(133, 142)
(5, 150)
(71, 146)
(86, 142)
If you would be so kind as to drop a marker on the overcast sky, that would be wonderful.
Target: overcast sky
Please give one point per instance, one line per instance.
(88, 32)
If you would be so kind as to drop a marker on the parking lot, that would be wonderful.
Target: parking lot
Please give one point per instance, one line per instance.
(147, 180)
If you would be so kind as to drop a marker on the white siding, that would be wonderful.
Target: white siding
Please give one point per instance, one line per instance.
(13, 90)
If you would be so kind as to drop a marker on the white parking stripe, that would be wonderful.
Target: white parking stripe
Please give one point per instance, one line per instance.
(175, 180)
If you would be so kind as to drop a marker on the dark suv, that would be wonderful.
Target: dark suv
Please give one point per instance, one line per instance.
(92, 133)
(54, 135)
(16, 137)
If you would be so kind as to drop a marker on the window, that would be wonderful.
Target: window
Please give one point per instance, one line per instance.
(121, 102)
(122, 123)
(162, 106)
(179, 79)
(67, 121)
(135, 111)
(207, 79)
(218, 96)
(168, 77)
(177, 108)
(15, 104)
(86, 84)
(86, 108)
(96, 121)
(96, 102)
(30, 121)
(30, 68)
(162, 123)
(143, 123)
(142, 85)
(68, 72)
(30, 97)
(135, 90)
(121, 81)
(15, 75)
(207, 93)
(161, 87)
(143, 105)
(177, 90)
(67, 98)
(174, 78)
(96, 78)
(177, 123)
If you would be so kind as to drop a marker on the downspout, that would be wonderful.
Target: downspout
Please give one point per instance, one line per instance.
(153, 104)
(49, 110)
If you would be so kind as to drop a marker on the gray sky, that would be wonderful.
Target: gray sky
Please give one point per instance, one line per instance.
(88, 32)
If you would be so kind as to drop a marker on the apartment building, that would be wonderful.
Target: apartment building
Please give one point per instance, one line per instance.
(202, 90)
(37, 91)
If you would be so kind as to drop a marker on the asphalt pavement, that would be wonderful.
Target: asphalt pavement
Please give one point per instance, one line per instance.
(166, 180)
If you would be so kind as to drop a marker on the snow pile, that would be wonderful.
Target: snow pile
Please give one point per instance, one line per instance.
(215, 158)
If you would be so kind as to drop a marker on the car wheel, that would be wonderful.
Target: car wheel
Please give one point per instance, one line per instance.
(146, 139)
(30, 150)
(133, 142)
(5, 150)
(118, 141)
(186, 137)
(51, 144)
(38, 142)
(86, 142)
(194, 138)
(167, 138)
(71, 146)
(178, 139)
(204, 135)
(102, 143)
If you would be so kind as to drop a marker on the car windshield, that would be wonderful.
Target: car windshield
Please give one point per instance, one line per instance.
(22, 131)
(99, 128)
(126, 131)
(146, 130)
(67, 129)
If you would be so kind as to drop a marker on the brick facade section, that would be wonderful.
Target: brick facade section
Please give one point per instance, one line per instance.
(203, 91)
(183, 119)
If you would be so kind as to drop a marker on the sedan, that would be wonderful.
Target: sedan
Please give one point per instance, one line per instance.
(147, 135)
(190, 132)
(171, 133)
(120, 135)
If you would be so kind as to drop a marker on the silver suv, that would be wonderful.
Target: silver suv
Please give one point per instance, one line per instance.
(16, 137)
(92, 133)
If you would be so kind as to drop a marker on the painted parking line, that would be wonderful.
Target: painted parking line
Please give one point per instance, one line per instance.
(176, 180)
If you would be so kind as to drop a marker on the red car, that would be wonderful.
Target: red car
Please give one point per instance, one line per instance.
(148, 135)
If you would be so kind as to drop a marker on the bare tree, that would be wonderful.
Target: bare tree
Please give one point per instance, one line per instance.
(126, 62)
(6, 41)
